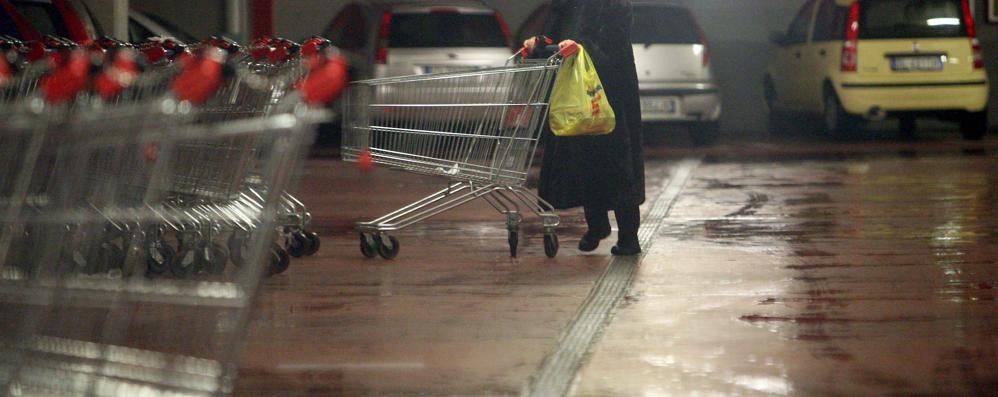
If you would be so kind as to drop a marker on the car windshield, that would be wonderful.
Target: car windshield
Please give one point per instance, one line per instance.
(446, 29)
(895, 19)
(663, 25)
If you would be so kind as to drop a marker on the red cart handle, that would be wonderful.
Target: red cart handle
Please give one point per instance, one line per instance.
(201, 76)
(6, 71)
(326, 79)
(68, 78)
(120, 71)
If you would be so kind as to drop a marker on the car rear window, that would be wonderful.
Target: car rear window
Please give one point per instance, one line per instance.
(663, 25)
(896, 19)
(446, 29)
(44, 17)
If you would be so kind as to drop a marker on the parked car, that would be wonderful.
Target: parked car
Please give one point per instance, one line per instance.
(142, 26)
(391, 38)
(672, 59)
(856, 60)
(29, 20)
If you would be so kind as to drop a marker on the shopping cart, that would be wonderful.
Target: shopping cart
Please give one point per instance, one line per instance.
(70, 331)
(479, 129)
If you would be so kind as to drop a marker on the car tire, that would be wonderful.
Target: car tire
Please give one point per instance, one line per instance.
(778, 123)
(974, 125)
(907, 126)
(836, 123)
(705, 133)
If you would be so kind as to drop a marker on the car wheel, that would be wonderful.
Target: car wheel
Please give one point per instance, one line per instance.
(906, 127)
(778, 122)
(836, 123)
(705, 133)
(974, 125)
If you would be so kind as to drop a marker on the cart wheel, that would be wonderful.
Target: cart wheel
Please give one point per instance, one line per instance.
(186, 261)
(134, 257)
(298, 244)
(215, 257)
(72, 260)
(159, 255)
(238, 249)
(110, 259)
(368, 245)
(550, 245)
(514, 242)
(313, 243)
(20, 256)
(388, 249)
(279, 260)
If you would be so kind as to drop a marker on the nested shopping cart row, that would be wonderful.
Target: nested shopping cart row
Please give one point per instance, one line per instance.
(140, 205)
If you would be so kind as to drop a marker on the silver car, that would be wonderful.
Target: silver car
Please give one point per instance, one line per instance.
(673, 64)
(674, 74)
(397, 38)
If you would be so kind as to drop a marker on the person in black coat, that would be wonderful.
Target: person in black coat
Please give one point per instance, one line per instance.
(604, 172)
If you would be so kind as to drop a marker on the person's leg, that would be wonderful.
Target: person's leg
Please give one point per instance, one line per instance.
(628, 221)
(598, 221)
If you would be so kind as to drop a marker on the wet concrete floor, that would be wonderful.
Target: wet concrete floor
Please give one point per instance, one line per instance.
(782, 269)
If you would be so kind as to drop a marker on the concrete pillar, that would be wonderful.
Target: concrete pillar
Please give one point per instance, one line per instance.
(112, 15)
(237, 19)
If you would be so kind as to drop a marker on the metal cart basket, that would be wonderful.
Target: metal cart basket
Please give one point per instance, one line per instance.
(479, 129)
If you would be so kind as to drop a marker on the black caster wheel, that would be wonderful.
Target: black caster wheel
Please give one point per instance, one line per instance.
(298, 244)
(279, 260)
(187, 261)
(71, 261)
(514, 242)
(159, 255)
(239, 248)
(313, 243)
(368, 245)
(550, 245)
(108, 258)
(389, 248)
(215, 258)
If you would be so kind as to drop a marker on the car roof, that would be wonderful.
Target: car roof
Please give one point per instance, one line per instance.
(415, 5)
(661, 3)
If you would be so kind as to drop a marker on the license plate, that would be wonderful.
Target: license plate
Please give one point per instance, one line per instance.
(917, 63)
(668, 105)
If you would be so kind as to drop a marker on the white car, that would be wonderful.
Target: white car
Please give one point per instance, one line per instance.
(673, 65)
(397, 38)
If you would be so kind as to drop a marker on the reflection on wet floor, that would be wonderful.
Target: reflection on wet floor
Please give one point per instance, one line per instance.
(866, 273)
(851, 277)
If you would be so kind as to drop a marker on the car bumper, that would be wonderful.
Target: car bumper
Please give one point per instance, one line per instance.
(694, 103)
(966, 95)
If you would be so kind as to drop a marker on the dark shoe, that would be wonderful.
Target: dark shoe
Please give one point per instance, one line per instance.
(622, 249)
(590, 240)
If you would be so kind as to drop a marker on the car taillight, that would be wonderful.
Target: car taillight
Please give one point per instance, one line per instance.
(505, 30)
(975, 45)
(705, 54)
(384, 35)
(850, 53)
(74, 23)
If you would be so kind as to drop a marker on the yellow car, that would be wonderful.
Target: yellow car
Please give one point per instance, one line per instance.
(857, 60)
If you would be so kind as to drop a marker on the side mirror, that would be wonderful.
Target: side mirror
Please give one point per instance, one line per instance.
(779, 38)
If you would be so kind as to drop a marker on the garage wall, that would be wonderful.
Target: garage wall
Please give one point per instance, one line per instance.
(987, 33)
(738, 33)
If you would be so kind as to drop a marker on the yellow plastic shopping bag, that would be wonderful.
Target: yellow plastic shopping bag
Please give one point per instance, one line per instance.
(578, 102)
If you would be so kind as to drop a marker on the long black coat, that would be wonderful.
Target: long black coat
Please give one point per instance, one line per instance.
(605, 171)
